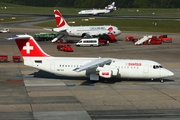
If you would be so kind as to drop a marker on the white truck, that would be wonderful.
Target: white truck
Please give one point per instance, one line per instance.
(5, 30)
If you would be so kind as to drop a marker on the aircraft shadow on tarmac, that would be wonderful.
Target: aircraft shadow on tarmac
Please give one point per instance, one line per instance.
(47, 75)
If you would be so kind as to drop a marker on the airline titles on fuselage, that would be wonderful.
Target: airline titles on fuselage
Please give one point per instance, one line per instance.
(97, 28)
(134, 64)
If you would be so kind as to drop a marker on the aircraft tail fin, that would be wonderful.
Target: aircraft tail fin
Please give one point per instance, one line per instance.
(111, 7)
(28, 47)
(60, 21)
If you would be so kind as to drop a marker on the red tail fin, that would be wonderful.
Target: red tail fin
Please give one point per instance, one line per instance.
(28, 47)
(60, 22)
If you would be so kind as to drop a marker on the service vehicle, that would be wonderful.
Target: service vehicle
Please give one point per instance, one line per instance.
(65, 48)
(109, 37)
(5, 30)
(16, 58)
(3, 58)
(131, 38)
(153, 41)
(88, 42)
(165, 38)
(45, 36)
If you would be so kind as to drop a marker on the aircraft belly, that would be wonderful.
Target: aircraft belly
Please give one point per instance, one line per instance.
(70, 73)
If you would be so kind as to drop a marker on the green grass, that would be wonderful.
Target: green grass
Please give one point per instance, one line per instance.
(126, 24)
(13, 8)
(122, 24)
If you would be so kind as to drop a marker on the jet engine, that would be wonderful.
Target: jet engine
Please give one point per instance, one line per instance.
(107, 72)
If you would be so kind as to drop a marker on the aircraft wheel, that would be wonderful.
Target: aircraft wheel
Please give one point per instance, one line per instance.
(161, 80)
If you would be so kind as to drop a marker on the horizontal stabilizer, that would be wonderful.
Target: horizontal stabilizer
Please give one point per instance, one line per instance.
(49, 29)
(13, 37)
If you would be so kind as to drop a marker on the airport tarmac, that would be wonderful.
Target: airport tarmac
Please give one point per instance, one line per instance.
(28, 93)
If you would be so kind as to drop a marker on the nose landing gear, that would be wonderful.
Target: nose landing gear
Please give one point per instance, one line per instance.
(161, 80)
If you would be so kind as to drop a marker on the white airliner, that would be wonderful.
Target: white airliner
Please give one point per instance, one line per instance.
(94, 68)
(108, 9)
(81, 31)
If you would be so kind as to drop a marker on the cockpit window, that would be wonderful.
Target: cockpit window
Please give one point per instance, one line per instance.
(160, 66)
(157, 66)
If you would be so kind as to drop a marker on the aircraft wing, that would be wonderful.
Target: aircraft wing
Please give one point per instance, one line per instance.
(56, 29)
(95, 63)
(61, 31)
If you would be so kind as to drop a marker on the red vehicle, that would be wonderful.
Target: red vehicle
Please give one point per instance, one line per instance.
(103, 42)
(3, 58)
(16, 58)
(164, 38)
(131, 38)
(153, 41)
(109, 37)
(65, 47)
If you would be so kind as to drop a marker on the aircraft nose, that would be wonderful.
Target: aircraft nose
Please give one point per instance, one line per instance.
(170, 73)
(79, 12)
(118, 32)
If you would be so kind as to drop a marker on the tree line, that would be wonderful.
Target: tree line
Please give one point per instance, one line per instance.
(98, 3)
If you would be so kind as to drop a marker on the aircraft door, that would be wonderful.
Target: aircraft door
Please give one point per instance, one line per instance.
(146, 68)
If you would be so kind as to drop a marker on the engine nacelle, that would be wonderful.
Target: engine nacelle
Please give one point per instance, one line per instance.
(105, 74)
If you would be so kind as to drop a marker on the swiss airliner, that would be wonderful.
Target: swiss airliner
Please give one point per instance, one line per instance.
(95, 12)
(93, 68)
(81, 31)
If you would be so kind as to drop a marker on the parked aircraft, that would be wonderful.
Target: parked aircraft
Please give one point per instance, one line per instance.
(94, 68)
(81, 31)
(108, 9)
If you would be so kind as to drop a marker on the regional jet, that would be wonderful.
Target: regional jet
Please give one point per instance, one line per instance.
(93, 68)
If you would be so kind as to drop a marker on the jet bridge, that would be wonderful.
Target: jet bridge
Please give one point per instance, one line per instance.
(145, 38)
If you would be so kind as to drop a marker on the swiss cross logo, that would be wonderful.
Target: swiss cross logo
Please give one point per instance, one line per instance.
(28, 48)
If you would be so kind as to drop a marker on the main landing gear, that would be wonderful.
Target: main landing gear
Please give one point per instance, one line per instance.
(161, 80)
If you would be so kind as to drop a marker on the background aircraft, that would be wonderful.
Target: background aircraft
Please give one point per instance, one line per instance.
(81, 31)
(94, 68)
(108, 9)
